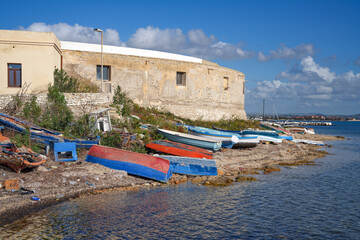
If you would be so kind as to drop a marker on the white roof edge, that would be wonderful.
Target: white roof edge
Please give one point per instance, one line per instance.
(90, 47)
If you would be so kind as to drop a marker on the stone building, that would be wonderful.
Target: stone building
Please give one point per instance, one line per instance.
(187, 86)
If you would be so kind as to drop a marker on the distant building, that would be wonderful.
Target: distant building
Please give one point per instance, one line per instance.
(187, 86)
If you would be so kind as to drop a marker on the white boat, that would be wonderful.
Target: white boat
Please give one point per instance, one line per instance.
(265, 138)
(192, 140)
(307, 141)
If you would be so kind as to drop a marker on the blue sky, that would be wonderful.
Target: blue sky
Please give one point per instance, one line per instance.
(301, 56)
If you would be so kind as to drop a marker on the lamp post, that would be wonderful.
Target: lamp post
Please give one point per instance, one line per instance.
(102, 66)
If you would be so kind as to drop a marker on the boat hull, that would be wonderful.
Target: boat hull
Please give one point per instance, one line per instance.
(191, 166)
(265, 138)
(191, 139)
(133, 163)
(247, 142)
(228, 139)
(179, 149)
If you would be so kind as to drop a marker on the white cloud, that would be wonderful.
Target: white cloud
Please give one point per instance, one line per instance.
(195, 43)
(76, 33)
(284, 52)
(310, 67)
(310, 81)
(154, 38)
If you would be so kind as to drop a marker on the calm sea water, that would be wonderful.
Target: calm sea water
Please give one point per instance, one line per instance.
(306, 202)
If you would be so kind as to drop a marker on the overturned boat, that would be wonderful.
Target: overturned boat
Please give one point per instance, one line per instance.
(134, 163)
(179, 149)
(191, 166)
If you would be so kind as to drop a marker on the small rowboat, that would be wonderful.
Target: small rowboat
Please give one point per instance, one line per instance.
(179, 149)
(134, 163)
(18, 160)
(192, 140)
(191, 166)
(228, 139)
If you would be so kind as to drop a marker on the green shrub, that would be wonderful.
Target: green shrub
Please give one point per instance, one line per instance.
(64, 82)
(57, 115)
(32, 111)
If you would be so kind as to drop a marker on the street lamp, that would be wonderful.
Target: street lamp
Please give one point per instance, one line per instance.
(102, 66)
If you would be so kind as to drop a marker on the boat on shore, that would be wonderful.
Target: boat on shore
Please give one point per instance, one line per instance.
(42, 135)
(179, 149)
(133, 163)
(192, 140)
(228, 139)
(18, 159)
(191, 166)
(265, 138)
(247, 142)
(301, 130)
(307, 141)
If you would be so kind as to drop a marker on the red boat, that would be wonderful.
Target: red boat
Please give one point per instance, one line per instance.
(134, 163)
(179, 149)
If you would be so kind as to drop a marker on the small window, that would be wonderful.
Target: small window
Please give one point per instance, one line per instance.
(226, 83)
(181, 78)
(106, 73)
(14, 75)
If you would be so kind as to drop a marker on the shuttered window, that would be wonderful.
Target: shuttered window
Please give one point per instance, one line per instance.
(181, 78)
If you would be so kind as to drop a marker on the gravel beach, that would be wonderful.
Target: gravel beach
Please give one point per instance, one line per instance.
(55, 182)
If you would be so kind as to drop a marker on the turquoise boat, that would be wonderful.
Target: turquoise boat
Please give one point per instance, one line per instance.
(192, 140)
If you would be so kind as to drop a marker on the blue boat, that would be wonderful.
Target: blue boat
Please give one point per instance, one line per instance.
(260, 132)
(228, 139)
(262, 135)
(192, 140)
(42, 135)
(191, 166)
(286, 137)
(134, 163)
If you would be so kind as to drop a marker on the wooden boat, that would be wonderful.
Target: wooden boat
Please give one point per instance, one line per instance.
(191, 166)
(42, 135)
(260, 132)
(228, 139)
(179, 149)
(192, 140)
(264, 138)
(286, 137)
(301, 130)
(247, 142)
(307, 141)
(18, 159)
(134, 163)
(276, 128)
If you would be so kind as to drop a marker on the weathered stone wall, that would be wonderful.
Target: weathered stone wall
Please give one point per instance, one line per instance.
(211, 91)
(79, 103)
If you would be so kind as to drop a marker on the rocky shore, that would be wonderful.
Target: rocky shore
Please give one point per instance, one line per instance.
(55, 182)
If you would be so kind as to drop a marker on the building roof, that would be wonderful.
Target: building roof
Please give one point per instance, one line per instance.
(89, 47)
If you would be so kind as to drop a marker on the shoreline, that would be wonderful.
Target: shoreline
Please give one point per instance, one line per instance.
(56, 182)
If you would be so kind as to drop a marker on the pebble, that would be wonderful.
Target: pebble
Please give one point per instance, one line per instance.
(59, 196)
(42, 169)
(72, 182)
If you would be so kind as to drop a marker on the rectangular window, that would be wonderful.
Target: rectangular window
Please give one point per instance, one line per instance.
(106, 73)
(226, 83)
(14, 75)
(181, 78)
